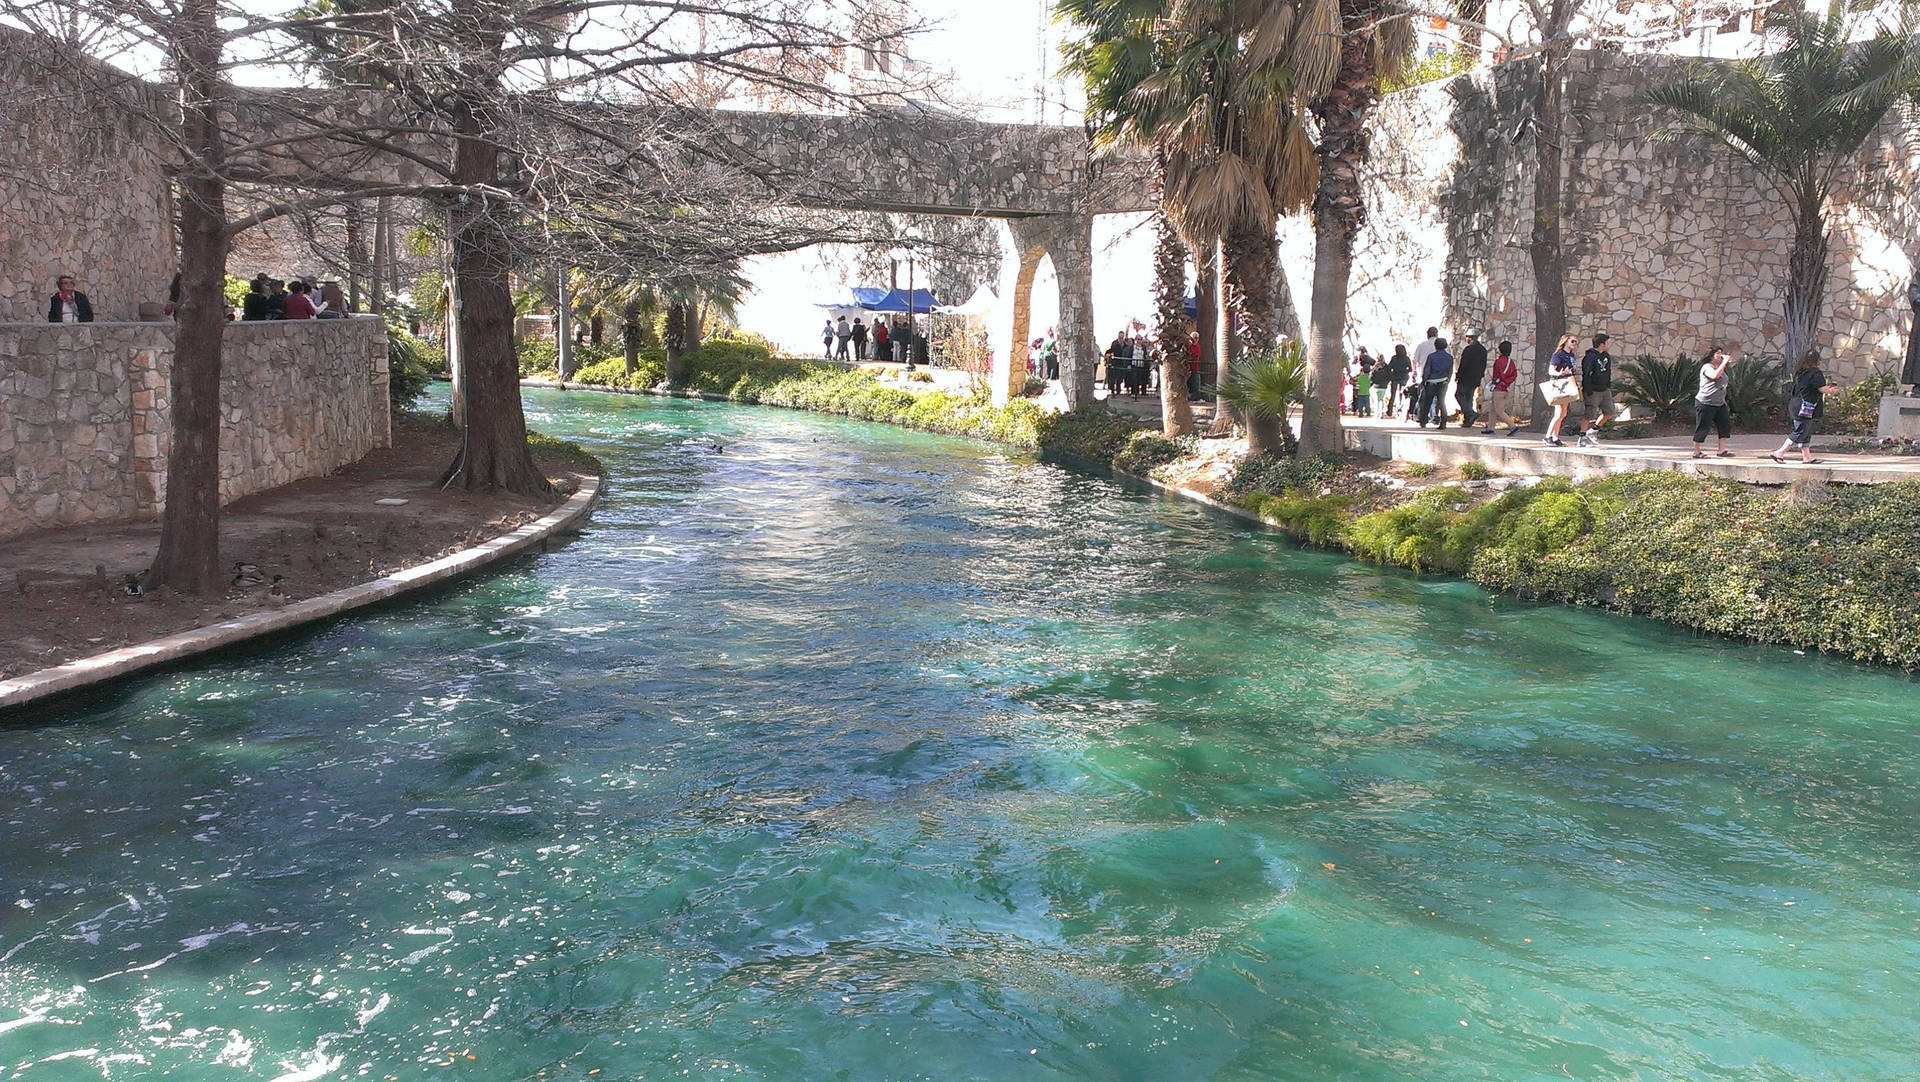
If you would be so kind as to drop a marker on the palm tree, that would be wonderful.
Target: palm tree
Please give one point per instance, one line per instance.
(1269, 384)
(1209, 86)
(1373, 46)
(1798, 116)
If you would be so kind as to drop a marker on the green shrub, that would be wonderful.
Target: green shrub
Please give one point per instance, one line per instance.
(1855, 411)
(1280, 474)
(537, 357)
(1665, 388)
(1475, 471)
(1756, 387)
(411, 366)
(1034, 387)
(1317, 520)
(1420, 469)
(566, 452)
(1090, 432)
(1411, 535)
(1146, 449)
(612, 372)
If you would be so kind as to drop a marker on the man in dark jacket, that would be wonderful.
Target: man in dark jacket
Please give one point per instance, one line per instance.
(68, 305)
(1435, 373)
(1596, 384)
(1466, 381)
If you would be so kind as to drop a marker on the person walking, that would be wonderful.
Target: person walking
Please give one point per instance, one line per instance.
(859, 337)
(1809, 388)
(1377, 388)
(1500, 391)
(1050, 355)
(826, 341)
(1467, 379)
(1710, 404)
(1596, 384)
(1119, 359)
(1435, 374)
(1399, 371)
(842, 335)
(1424, 349)
(882, 350)
(1561, 389)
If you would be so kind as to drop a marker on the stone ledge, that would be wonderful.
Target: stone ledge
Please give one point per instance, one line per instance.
(101, 668)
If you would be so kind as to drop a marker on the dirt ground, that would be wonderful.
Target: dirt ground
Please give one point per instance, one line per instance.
(65, 591)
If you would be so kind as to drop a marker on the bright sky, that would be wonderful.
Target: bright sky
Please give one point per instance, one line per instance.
(997, 48)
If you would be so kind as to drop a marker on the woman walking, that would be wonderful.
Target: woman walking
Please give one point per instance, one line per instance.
(1710, 405)
(1562, 392)
(1809, 385)
(1399, 370)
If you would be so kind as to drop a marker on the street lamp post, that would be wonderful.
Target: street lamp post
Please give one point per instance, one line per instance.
(912, 237)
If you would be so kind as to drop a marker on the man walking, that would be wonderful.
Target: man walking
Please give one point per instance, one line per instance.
(842, 334)
(859, 340)
(1596, 383)
(1435, 374)
(1424, 349)
(1466, 381)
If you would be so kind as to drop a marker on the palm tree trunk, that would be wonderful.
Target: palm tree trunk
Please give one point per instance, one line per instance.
(1250, 255)
(1170, 296)
(630, 334)
(1338, 213)
(674, 339)
(1806, 277)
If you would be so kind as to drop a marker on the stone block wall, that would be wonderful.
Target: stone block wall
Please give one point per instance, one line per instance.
(84, 426)
(1669, 245)
(83, 187)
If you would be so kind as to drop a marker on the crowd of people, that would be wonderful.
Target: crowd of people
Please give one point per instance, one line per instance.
(274, 298)
(1485, 390)
(267, 298)
(899, 342)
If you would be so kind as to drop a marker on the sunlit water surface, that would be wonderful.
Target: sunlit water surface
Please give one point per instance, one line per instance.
(851, 753)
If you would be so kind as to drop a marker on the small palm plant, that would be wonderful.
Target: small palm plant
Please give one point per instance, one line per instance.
(1666, 388)
(1266, 385)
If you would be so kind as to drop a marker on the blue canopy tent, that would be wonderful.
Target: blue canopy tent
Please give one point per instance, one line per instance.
(884, 300)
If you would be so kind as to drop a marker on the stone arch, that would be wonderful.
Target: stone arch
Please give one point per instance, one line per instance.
(1067, 239)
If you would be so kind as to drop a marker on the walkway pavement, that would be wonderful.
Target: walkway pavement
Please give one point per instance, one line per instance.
(1526, 454)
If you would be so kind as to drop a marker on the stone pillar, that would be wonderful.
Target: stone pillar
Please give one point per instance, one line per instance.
(1068, 239)
(1010, 349)
(152, 427)
(381, 390)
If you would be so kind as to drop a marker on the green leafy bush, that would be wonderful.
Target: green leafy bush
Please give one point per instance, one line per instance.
(1855, 411)
(1475, 471)
(537, 357)
(1666, 389)
(1281, 475)
(1756, 388)
(411, 366)
(1090, 432)
(1146, 449)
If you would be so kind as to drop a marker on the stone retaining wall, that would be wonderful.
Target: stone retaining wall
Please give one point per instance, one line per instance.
(84, 428)
(1670, 244)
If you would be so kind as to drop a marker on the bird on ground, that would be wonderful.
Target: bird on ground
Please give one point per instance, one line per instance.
(244, 574)
(276, 594)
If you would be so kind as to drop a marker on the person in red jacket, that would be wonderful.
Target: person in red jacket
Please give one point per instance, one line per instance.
(1500, 388)
(298, 304)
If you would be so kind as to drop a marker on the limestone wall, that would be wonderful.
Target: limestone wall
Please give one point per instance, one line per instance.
(1669, 244)
(82, 185)
(84, 430)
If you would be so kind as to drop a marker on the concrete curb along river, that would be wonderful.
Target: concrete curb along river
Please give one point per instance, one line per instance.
(114, 664)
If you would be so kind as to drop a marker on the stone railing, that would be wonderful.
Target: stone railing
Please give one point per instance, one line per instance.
(84, 429)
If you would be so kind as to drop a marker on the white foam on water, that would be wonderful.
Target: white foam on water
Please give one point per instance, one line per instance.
(16, 1023)
(318, 1066)
(379, 1005)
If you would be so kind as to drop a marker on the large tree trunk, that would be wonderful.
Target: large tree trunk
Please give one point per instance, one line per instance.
(1250, 258)
(1806, 278)
(376, 289)
(1338, 213)
(1543, 244)
(494, 451)
(356, 255)
(1170, 302)
(188, 559)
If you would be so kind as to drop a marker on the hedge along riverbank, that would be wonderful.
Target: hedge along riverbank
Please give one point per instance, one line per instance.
(1832, 568)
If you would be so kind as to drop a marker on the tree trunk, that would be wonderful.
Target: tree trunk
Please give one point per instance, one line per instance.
(376, 290)
(1543, 244)
(674, 338)
(494, 452)
(1170, 298)
(356, 256)
(630, 334)
(1338, 213)
(1806, 278)
(188, 558)
(696, 330)
(1250, 256)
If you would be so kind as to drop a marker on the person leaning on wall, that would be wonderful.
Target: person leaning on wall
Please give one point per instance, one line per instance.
(68, 305)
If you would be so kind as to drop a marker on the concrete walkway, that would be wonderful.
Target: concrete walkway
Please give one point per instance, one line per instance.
(1526, 454)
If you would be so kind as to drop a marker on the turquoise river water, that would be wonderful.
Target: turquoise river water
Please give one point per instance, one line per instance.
(853, 753)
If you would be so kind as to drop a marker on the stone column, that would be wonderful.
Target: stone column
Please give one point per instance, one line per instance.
(151, 424)
(1068, 238)
(381, 391)
(1010, 349)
